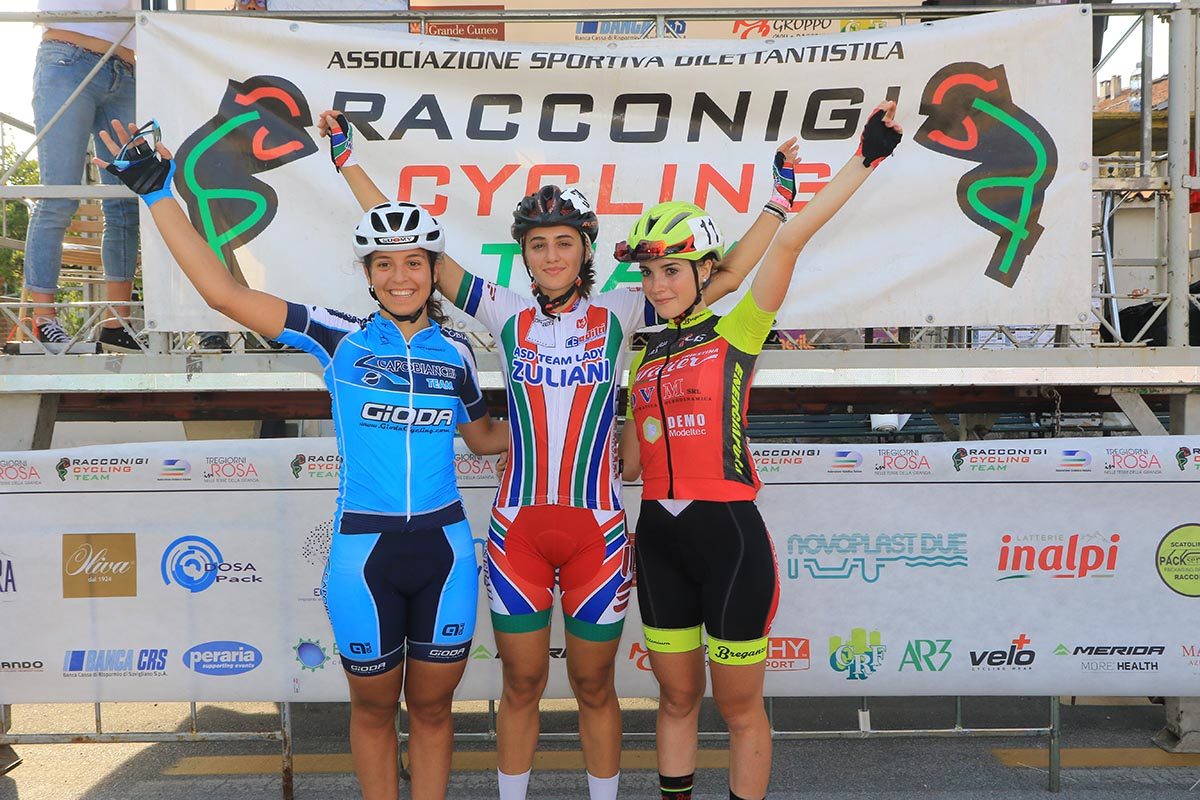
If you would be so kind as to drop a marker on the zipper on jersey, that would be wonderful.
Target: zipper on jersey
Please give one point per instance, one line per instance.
(408, 432)
(662, 410)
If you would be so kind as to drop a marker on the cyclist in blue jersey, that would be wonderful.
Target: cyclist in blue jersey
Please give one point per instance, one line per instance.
(401, 582)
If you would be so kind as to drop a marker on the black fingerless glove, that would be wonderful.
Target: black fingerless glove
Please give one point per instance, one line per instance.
(877, 141)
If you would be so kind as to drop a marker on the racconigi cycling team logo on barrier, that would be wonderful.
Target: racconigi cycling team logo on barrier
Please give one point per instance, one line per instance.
(971, 115)
(259, 125)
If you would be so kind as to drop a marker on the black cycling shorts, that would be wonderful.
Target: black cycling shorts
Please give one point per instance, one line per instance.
(713, 564)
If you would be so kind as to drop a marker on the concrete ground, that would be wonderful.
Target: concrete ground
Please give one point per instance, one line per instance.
(1106, 753)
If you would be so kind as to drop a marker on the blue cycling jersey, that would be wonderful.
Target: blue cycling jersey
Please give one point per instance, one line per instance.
(395, 407)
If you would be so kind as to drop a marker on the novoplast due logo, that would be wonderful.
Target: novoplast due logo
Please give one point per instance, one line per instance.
(222, 658)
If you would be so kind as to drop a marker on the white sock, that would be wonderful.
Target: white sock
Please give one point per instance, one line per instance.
(603, 788)
(513, 787)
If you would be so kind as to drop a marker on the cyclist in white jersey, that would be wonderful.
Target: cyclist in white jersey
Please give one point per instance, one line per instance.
(558, 517)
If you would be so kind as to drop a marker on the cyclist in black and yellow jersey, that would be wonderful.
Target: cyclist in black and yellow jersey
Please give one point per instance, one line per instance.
(703, 555)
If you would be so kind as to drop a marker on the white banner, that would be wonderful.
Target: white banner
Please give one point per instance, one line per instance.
(988, 568)
(982, 217)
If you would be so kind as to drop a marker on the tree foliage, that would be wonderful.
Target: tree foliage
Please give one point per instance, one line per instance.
(16, 219)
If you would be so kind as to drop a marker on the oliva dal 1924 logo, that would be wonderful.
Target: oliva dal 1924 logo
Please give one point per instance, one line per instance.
(99, 564)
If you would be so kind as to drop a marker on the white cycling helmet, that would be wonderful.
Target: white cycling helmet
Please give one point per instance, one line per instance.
(396, 227)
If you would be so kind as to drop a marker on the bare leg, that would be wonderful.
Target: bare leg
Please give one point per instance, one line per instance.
(373, 745)
(590, 669)
(681, 681)
(525, 658)
(428, 693)
(738, 692)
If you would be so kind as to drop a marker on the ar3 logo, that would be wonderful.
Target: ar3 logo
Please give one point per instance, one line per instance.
(971, 115)
(259, 125)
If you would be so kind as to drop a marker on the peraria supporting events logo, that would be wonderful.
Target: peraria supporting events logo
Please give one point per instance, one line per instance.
(99, 564)
(860, 657)
(994, 459)
(18, 472)
(1057, 555)
(971, 114)
(194, 563)
(222, 659)
(1017, 657)
(229, 469)
(1178, 559)
(1099, 659)
(323, 465)
(1131, 461)
(96, 469)
(926, 655)
(123, 663)
(842, 556)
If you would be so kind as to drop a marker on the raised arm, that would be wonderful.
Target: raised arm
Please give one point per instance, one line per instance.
(879, 138)
(149, 173)
(333, 124)
(743, 257)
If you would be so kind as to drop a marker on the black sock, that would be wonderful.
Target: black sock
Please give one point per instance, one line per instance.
(733, 796)
(676, 788)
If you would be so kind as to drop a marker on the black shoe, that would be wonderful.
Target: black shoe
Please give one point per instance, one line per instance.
(119, 340)
(9, 760)
(51, 334)
(214, 343)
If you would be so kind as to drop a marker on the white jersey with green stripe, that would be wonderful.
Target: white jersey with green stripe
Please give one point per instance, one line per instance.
(562, 374)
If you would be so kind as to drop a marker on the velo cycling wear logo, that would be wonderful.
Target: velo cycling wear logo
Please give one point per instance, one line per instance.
(859, 658)
(99, 565)
(1017, 657)
(259, 125)
(970, 114)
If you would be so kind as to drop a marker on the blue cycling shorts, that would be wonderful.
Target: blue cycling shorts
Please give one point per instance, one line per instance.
(393, 585)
